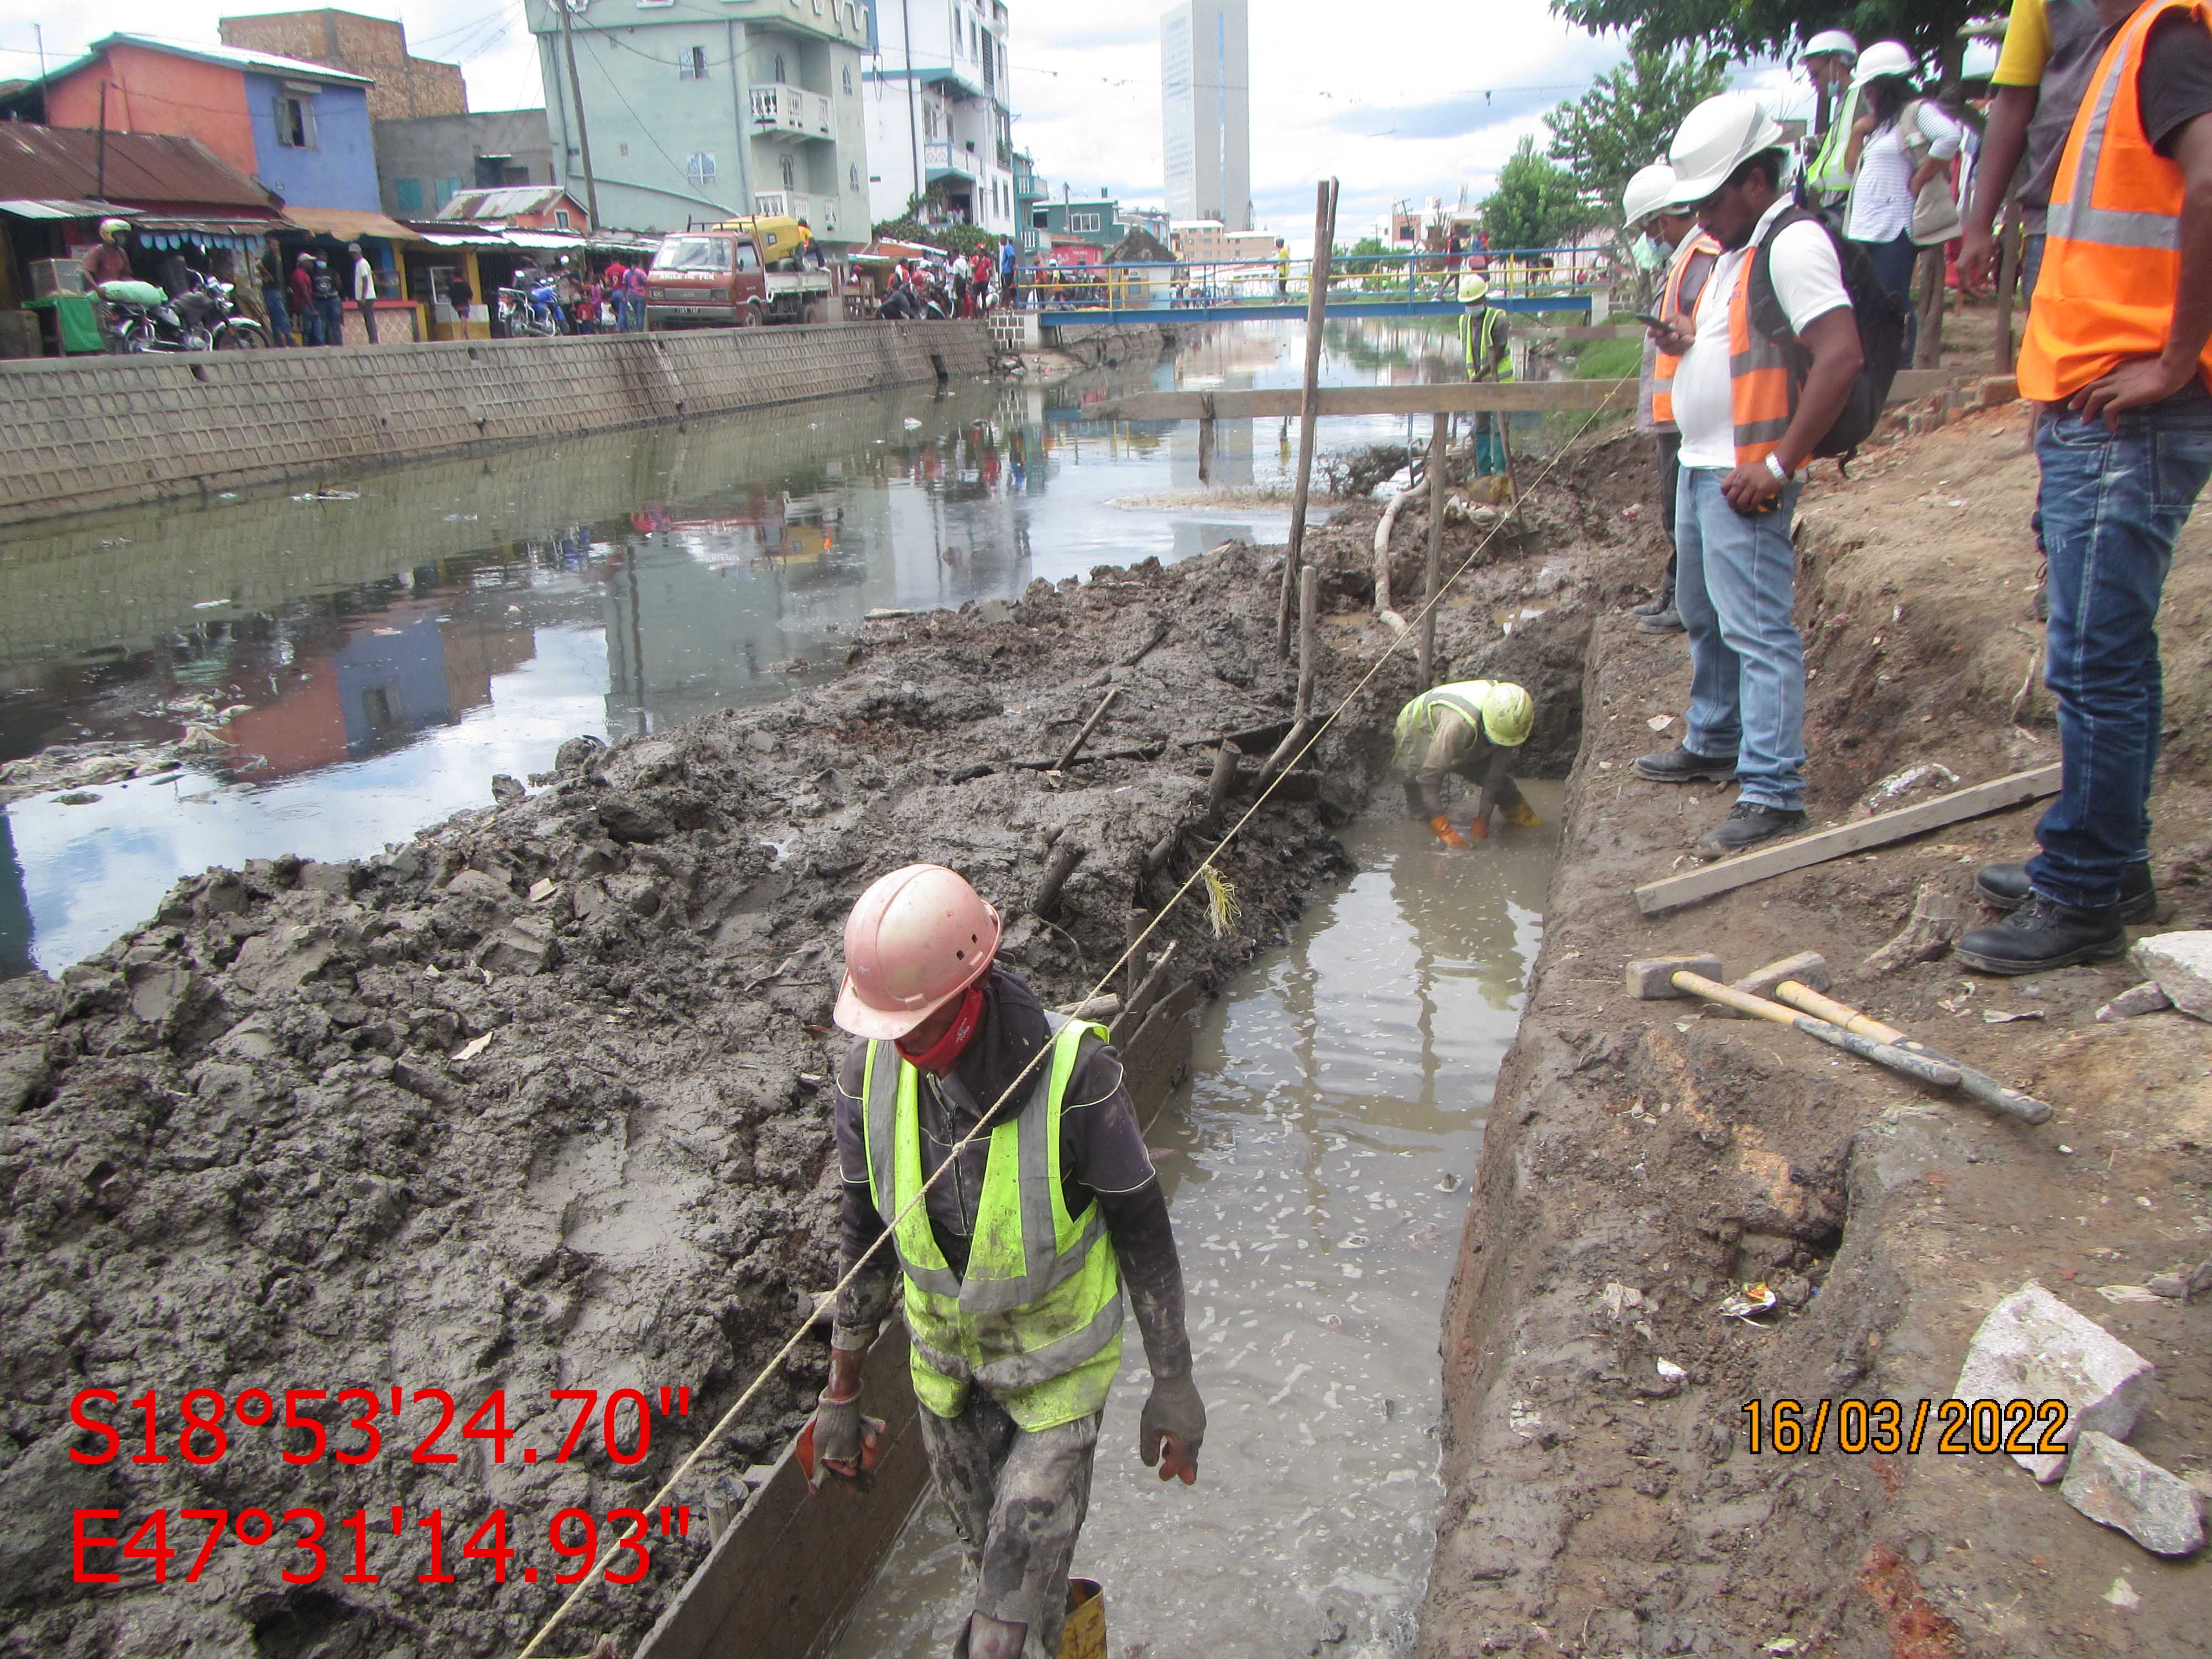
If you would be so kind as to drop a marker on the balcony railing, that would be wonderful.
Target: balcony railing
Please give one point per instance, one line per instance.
(781, 108)
(942, 158)
(820, 212)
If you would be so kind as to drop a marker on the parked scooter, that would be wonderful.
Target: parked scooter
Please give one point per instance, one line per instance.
(141, 317)
(536, 312)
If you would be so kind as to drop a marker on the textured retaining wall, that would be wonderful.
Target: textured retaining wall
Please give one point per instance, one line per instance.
(105, 432)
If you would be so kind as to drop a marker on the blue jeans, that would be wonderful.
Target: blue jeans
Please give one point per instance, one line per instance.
(2112, 504)
(280, 320)
(1895, 262)
(334, 314)
(1735, 585)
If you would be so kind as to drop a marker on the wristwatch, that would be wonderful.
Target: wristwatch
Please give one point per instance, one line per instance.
(1774, 466)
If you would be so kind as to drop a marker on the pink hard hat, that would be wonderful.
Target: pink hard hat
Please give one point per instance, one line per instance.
(918, 937)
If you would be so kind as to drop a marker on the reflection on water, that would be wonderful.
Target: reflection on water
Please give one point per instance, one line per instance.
(381, 658)
(1318, 1169)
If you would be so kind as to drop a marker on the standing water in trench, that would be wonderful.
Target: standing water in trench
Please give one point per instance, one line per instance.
(1317, 1169)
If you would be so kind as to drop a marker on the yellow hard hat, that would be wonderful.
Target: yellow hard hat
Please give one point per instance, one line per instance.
(1509, 714)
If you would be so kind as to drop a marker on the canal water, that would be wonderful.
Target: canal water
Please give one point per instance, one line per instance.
(1317, 1169)
(371, 655)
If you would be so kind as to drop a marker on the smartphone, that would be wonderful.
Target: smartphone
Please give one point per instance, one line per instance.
(1650, 320)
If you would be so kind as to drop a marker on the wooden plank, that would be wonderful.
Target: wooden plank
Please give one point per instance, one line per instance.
(791, 1564)
(1449, 397)
(1877, 831)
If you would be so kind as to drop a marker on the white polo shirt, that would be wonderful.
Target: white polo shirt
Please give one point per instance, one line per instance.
(1808, 280)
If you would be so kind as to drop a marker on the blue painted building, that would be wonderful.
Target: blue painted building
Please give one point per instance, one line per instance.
(338, 168)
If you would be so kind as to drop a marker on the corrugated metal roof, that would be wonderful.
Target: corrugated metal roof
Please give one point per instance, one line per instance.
(40, 163)
(64, 208)
(504, 203)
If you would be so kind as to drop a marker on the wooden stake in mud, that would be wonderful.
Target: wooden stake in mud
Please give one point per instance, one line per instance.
(1065, 855)
(1309, 403)
(2008, 266)
(1090, 726)
(1206, 441)
(1439, 446)
(1223, 780)
(1308, 639)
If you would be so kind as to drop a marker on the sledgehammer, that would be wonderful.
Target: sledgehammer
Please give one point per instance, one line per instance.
(1790, 987)
(1656, 977)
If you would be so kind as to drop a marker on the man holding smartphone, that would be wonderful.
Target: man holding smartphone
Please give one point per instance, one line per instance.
(1751, 407)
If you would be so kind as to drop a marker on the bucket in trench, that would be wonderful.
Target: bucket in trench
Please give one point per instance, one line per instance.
(1083, 1634)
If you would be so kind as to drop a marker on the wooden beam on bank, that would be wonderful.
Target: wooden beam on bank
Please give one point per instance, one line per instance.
(1449, 397)
(1879, 830)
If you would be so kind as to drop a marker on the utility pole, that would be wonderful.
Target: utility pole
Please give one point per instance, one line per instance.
(913, 120)
(576, 97)
(99, 171)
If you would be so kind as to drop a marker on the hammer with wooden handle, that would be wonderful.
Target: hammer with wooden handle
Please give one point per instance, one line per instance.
(1674, 976)
(1978, 1084)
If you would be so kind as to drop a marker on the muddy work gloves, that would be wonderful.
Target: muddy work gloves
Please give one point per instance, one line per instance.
(1172, 1428)
(837, 1431)
(1440, 826)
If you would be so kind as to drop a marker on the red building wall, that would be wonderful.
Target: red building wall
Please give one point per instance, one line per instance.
(157, 92)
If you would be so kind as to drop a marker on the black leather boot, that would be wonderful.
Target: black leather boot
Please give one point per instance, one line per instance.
(2004, 887)
(1682, 764)
(2042, 934)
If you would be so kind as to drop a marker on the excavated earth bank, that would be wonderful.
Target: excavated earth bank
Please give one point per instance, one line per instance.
(1642, 1160)
(536, 1100)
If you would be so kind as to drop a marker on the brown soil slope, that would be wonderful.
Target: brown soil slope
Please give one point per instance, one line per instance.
(1643, 1159)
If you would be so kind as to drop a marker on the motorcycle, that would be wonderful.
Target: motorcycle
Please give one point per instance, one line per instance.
(536, 312)
(141, 317)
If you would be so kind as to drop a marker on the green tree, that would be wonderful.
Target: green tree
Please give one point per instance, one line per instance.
(1627, 118)
(1535, 204)
(1746, 28)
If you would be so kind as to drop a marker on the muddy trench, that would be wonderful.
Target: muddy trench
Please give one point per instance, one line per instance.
(536, 1100)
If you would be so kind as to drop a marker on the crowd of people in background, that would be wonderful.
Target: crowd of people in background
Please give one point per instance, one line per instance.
(1783, 311)
(953, 284)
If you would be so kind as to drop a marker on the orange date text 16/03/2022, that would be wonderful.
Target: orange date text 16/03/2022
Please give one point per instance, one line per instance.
(1951, 1428)
(350, 1425)
(308, 1546)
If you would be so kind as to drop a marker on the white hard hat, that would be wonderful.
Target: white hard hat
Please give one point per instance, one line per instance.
(1882, 57)
(1474, 287)
(1717, 137)
(1651, 190)
(1831, 40)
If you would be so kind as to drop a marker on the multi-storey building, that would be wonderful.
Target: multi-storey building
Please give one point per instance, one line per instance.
(940, 121)
(1206, 110)
(695, 114)
(1030, 193)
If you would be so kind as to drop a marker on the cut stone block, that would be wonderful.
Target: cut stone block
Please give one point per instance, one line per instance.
(2032, 1346)
(2182, 964)
(2117, 1485)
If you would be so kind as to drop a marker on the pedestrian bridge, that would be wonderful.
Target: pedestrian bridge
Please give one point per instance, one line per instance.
(1575, 282)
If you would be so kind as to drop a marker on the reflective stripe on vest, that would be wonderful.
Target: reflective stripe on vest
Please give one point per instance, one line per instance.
(1037, 1318)
(1479, 361)
(1463, 699)
(1762, 392)
(1828, 176)
(2111, 261)
(1679, 299)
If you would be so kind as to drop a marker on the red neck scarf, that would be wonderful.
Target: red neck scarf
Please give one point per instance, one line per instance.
(937, 1059)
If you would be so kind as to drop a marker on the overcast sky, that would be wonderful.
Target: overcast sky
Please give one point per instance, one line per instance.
(1410, 105)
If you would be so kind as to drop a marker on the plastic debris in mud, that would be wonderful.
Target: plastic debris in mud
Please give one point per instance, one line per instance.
(1747, 1302)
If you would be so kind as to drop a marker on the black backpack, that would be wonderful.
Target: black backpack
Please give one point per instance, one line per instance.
(1881, 333)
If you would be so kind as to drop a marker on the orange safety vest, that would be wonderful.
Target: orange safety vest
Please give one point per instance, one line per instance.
(1679, 299)
(2112, 262)
(1763, 392)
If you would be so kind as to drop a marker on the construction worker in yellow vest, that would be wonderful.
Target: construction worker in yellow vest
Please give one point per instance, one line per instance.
(1830, 57)
(1040, 1205)
(1467, 730)
(1483, 346)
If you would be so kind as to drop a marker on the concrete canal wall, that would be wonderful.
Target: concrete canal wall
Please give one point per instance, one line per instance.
(111, 431)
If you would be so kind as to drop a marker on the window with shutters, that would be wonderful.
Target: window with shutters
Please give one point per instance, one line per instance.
(295, 121)
(852, 175)
(699, 168)
(407, 195)
(779, 75)
(691, 63)
(790, 172)
(849, 80)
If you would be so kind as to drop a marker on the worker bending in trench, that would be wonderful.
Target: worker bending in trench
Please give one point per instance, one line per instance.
(1465, 730)
(1013, 1263)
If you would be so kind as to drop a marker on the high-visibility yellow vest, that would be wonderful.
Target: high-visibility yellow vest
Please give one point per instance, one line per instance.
(1464, 698)
(1828, 176)
(1036, 1321)
(1478, 352)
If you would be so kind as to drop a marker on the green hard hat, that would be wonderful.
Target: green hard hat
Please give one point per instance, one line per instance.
(1509, 714)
